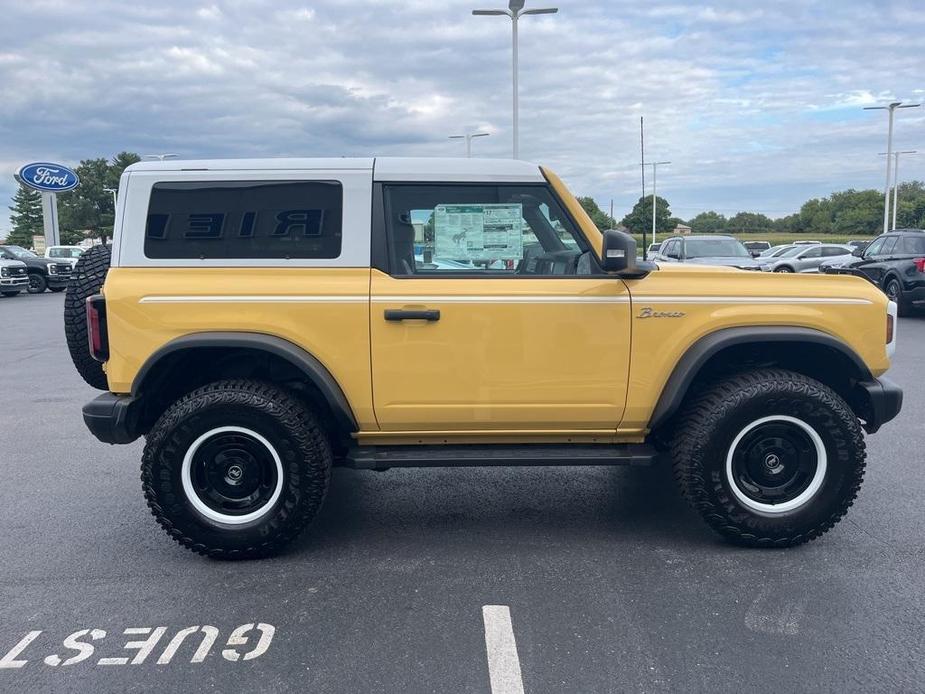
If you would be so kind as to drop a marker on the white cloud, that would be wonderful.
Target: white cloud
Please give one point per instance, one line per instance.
(757, 107)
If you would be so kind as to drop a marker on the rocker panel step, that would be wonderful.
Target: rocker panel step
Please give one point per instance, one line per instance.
(459, 455)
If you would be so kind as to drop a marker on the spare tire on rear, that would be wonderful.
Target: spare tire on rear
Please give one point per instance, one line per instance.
(86, 280)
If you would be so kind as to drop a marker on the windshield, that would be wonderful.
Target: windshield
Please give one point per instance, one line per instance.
(790, 252)
(714, 248)
(20, 252)
(64, 252)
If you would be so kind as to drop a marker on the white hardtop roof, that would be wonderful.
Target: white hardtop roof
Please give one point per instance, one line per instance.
(386, 168)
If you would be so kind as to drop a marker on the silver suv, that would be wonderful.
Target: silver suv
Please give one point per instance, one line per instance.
(805, 258)
(707, 250)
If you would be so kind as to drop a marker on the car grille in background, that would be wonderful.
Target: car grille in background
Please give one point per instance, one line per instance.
(63, 268)
(17, 272)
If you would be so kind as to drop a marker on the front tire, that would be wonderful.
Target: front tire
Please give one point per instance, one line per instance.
(37, 283)
(769, 458)
(236, 469)
(894, 291)
(783, 269)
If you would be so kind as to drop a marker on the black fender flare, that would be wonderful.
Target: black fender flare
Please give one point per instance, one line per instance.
(699, 353)
(313, 369)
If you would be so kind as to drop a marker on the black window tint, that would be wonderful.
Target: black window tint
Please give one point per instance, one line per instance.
(832, 251)
(245, 219)
(914, 245)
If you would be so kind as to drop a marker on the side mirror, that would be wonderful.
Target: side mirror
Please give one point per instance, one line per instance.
(618, 251)
(858, 252)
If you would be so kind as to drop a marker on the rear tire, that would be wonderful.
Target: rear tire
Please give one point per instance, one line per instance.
(236, 469)
(769, 458)
(783, 269)
(894, 291)
(86, 280)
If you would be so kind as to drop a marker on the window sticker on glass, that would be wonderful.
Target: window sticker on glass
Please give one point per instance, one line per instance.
(479, 232)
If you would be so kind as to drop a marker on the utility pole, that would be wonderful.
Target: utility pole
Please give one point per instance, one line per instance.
(655, 165)
(468, 138)
(889, 153)
(896, 179)
(515, 11)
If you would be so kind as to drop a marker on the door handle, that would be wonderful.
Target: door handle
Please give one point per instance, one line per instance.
(394, 314)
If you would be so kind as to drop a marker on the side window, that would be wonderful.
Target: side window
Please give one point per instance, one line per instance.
(914, 245)
(814, 252)
(888, 245)
(672, 250)
(832, 251)
(492, 230)
(874, 248)
(244, 219)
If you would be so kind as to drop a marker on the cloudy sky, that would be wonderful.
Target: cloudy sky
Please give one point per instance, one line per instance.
(757, 105)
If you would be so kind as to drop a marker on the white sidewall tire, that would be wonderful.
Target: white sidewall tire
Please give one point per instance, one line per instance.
(807, 494)
(211, 514)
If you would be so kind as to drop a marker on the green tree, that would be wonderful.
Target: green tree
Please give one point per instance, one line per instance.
(88, 210)
(708, 223)
(601, 219)
(640, 219)
(26, 217)
(746, 222)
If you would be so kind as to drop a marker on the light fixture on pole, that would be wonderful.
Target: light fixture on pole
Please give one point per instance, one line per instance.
(113, 191)
(896, 178)
(655, 165)
(889, 153)
(468, 138)
(515, 11)
(160, 157)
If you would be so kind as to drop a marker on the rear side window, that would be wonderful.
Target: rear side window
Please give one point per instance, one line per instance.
(244, 219)
(914, 245)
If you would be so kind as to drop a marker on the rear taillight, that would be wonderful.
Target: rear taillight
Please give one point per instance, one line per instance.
(96, 327)
(919, 264)
(890, 327)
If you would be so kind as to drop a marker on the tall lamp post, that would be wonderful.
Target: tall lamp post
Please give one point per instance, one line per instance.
(468, 138)
(113, 191)
(889, 153)
(655, 165)
(896, 178)
(515, 11)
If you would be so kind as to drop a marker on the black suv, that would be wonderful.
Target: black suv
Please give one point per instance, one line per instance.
(895, 262)
(44, 273)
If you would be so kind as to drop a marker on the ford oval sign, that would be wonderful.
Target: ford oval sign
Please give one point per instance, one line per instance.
(48, 178)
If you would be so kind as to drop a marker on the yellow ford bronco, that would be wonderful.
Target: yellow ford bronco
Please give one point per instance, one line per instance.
(260, 321)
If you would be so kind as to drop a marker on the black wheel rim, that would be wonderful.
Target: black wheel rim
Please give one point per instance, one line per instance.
(35, 283)
(233, 473)
(774, 463)
(892, 290)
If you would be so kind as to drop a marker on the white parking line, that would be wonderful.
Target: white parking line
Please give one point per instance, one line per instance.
(503, 662)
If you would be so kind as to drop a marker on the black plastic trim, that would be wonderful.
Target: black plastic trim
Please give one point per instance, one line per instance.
(112, 418)
(884, 400)
(700, 352)
(295, 355)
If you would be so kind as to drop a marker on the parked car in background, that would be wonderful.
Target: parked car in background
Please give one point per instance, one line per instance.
(14, 277)
(653, 251)
(44, 273)
(806, 243)
(708, 250)
(895, 262)
(858, 244)
(756, 248)
(68, 254)
(775, 251)
(807, 258)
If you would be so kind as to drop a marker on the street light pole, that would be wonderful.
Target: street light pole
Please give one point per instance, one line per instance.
(896, 179)
(655, 165)
(113, 191)
(889, 153)
(468, 138)
(515, 11)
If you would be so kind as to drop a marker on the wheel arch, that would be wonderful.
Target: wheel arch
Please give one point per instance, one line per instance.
(237, 349)
(812, 352)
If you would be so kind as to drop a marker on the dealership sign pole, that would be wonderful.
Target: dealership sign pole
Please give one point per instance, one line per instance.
(49, 180)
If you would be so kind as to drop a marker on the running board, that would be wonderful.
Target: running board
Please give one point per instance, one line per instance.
(457, 455)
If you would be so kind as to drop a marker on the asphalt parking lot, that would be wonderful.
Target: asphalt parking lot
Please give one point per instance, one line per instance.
(612, 584)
